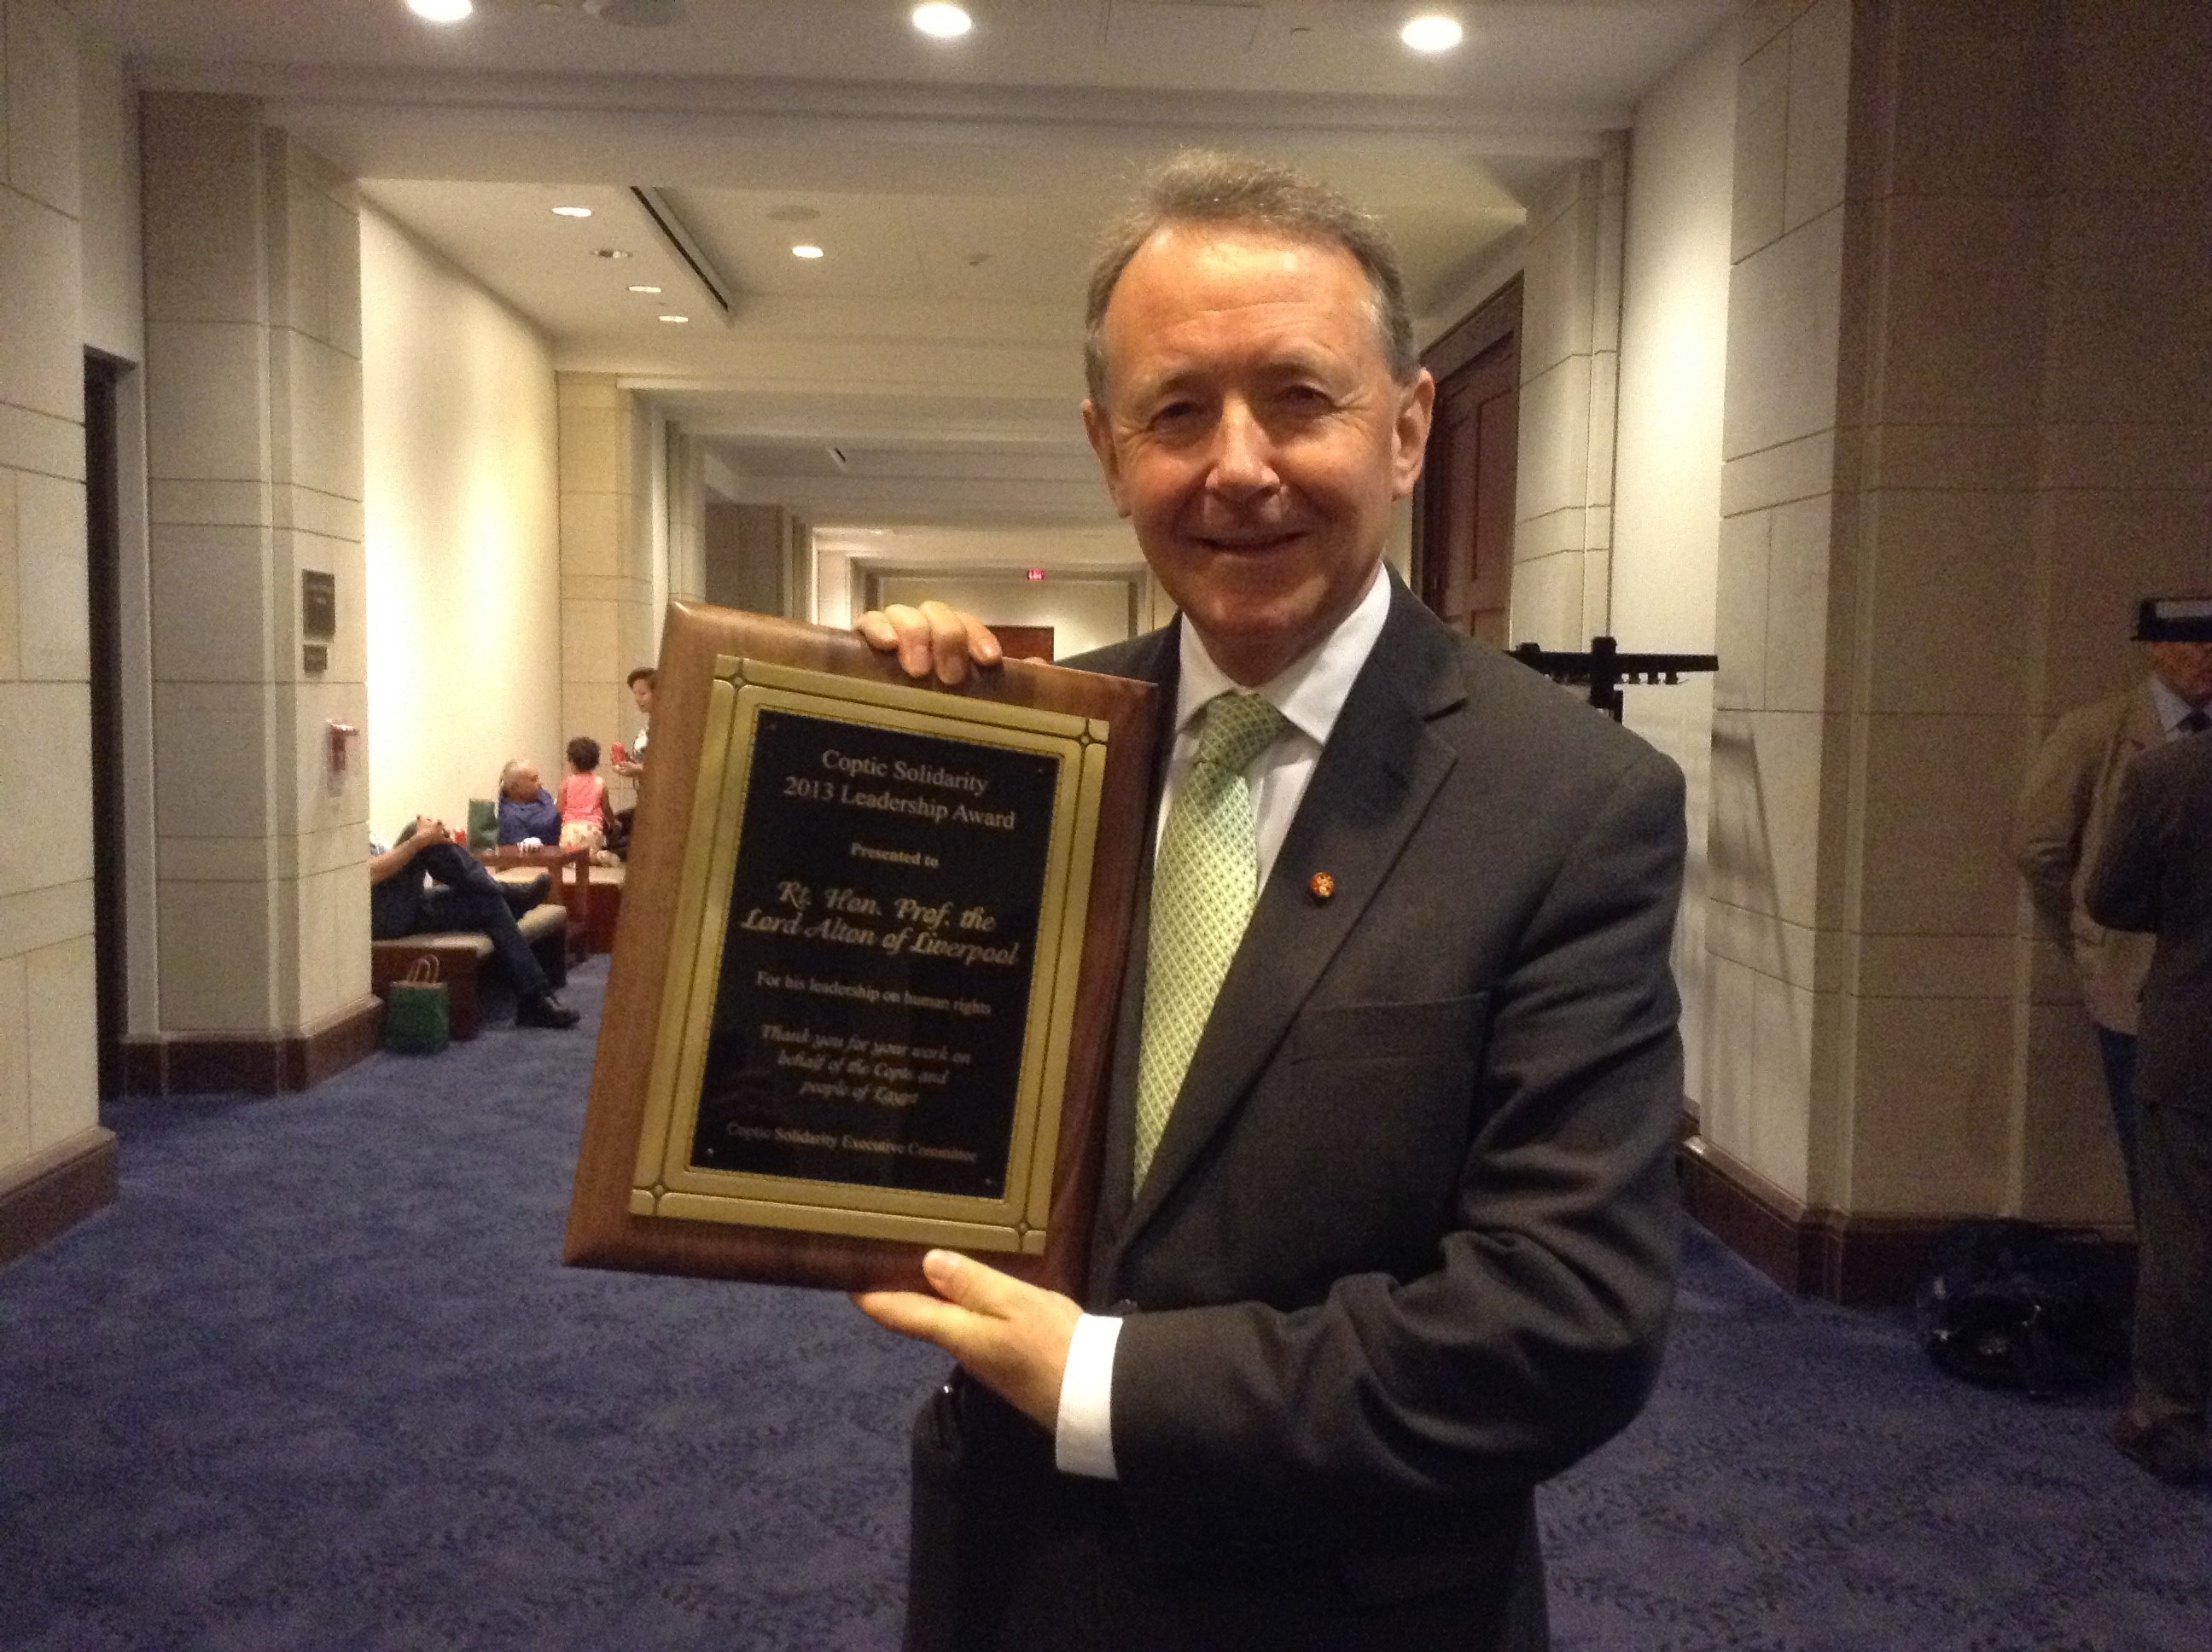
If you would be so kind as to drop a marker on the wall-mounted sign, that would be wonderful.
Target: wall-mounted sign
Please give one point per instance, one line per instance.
(319, 605)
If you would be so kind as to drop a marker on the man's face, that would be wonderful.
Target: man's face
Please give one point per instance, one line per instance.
(2185, 667)
(523, 786)
(1253, 434)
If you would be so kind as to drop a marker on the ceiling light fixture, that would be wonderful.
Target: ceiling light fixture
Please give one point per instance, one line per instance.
(941, 22)
(441, 11)
(1432, 32)
(806, 250)
(572, 212)
(676, 320)
(609, 253)
(642, 287)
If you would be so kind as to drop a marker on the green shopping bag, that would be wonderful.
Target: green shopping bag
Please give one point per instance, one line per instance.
(416, 1020)
(483, 822)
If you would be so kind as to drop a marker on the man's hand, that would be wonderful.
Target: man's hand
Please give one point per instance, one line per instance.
(428, 831)
(1009, 1336)
(932, 639)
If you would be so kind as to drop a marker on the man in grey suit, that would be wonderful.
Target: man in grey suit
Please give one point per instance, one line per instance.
(1388, 1229)
(2156, 874)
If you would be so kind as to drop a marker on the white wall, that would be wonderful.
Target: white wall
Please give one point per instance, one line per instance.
(1674, 345)
(1667, 477)
(459, 426)
(110, 234)
(841, 554)
(1084, 613)
(48, 1109)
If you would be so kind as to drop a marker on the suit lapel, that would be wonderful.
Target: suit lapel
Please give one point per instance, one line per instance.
(1155, 657)
(1369, 790)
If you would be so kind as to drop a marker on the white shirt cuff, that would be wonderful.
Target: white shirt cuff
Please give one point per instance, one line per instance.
(1083, 1440)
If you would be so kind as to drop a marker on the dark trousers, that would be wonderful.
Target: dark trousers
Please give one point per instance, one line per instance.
(2117, 1050)
(461, 895)
(1009, 1555)
(2173, 1274)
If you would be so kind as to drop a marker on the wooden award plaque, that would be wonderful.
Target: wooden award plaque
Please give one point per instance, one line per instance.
(864, 983)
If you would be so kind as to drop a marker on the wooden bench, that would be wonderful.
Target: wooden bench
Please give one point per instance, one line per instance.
(460, 958)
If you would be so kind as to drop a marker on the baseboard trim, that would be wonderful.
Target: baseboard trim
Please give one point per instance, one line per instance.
(1862, 1261)
(55, 1190)
(254, 1063)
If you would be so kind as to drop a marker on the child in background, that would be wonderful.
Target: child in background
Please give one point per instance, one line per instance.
(584, 799)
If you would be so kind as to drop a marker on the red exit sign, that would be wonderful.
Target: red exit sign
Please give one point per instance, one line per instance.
(1034, 573)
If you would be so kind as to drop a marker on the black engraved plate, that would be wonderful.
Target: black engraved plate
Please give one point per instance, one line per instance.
(879, 956)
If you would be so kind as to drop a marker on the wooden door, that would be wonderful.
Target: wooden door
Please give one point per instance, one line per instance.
(1024, 641)
(1463, 520)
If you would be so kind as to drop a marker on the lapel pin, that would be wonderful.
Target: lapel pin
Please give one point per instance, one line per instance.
(1321, 886)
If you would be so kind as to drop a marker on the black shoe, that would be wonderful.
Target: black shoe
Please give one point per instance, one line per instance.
(2168, 1450)
(545, 1010)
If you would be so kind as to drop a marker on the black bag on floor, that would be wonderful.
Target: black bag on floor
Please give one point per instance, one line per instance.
(2016, 1305)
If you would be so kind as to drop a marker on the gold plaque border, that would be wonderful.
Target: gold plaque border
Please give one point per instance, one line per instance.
(665, 1183)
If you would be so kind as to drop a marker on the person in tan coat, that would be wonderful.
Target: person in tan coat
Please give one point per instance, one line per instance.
(2059, 829)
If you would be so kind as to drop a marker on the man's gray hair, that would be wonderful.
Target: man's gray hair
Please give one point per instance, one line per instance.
(1200, 186)
(510, 769)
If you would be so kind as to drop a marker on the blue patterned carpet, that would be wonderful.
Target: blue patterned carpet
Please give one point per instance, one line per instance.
(318, 1381)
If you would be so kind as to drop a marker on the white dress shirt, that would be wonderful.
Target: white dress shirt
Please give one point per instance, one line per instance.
(2172, 709)
(1310, 693)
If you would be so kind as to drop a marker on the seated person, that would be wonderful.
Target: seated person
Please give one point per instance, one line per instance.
(459, 894)
(585, 815)
(528, 817)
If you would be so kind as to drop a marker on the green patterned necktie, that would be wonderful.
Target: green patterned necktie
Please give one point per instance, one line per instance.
(1205, 880)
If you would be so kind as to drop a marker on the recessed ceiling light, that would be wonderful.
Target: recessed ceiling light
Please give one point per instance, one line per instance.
(642, 287)
(806, 250)
(572, 212)
(1432, 32)
(609, 253)
(942, 22)
(676, 320)
(441, 11)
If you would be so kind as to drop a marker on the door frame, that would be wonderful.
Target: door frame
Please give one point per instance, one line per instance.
(1490, 323)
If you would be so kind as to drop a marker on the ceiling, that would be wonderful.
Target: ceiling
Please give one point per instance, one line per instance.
(954, 187)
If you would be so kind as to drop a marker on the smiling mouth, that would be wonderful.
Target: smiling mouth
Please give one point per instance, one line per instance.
(1248, 543)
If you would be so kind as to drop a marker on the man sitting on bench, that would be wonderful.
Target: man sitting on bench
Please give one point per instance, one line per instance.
(458, 895)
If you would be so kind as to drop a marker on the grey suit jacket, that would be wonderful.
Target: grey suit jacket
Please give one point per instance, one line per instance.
(2156, 874)
(1408, 1245)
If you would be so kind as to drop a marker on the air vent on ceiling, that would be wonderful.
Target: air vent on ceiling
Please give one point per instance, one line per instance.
(637, 14)
(717, 287)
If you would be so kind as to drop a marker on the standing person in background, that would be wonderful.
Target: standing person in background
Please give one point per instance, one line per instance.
(585, 815)
(2059, 828)
(528, 817)
(631, 764)
(2156, 874)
